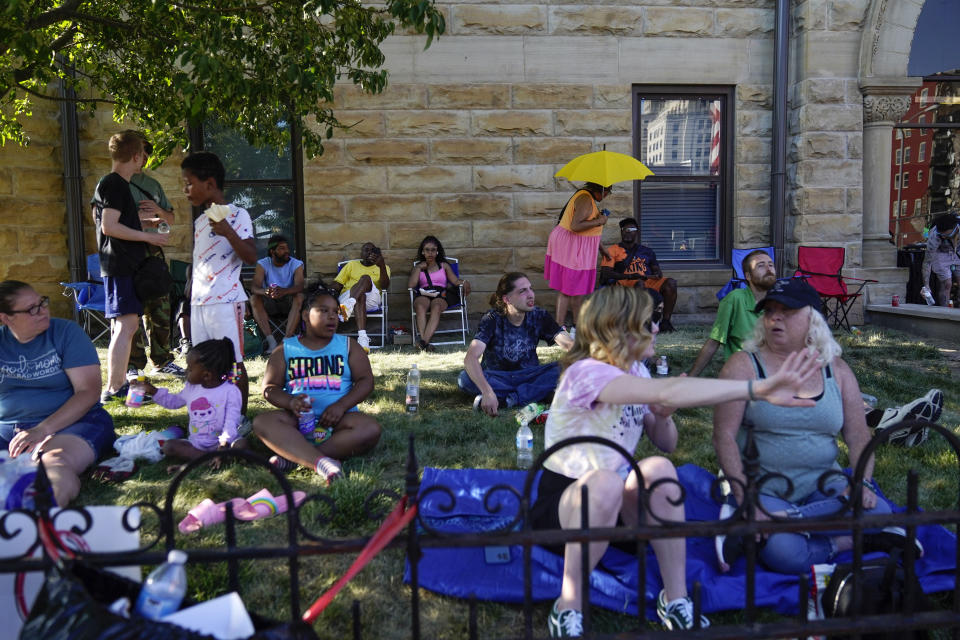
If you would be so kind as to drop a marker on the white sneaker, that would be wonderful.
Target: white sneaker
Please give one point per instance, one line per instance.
(364, 341)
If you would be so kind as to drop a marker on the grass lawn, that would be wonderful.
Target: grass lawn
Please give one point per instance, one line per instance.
(894, 367)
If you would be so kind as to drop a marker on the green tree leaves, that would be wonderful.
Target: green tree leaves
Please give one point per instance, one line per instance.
(167, 64)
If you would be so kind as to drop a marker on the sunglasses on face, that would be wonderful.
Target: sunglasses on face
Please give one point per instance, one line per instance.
(35, 309)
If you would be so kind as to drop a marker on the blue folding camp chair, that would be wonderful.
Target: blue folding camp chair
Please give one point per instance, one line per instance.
(381, 313)
(459, 310)
(738, 281)
(88, 297)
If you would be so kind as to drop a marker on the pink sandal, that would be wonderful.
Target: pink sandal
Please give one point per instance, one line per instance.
(262, 504)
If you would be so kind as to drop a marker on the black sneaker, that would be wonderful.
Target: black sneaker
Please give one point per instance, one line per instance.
(173, 369)
(888, 539)
(120, 394)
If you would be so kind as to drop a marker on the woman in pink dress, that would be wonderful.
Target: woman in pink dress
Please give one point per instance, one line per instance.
(570, 266)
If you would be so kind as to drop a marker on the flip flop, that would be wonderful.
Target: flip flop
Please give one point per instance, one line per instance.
(263, 504)
(209, 513)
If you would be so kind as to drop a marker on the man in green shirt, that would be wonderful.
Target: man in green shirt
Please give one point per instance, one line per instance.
(735, 315)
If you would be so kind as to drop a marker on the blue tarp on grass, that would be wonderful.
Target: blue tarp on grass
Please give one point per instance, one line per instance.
(488, 574)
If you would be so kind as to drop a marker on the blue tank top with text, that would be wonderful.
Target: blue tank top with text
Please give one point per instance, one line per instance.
(324, 375)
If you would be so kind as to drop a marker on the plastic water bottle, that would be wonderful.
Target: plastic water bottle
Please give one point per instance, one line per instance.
(927, 296)
(524, 446)
(413, 390)
(135, 392)
(662, 368)
(307, 420)
(163, 227)
(164, 588)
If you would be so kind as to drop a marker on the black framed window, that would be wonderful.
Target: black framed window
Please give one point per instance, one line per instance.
(267, 184)
(684, 208)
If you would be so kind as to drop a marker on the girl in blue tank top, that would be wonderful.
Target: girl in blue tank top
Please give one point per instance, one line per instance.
(327, 374)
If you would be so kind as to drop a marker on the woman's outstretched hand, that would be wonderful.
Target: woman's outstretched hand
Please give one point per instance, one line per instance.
(782, 388)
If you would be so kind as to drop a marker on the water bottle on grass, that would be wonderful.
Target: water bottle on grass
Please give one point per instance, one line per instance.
(524, 446)
(413, 390)
(164, 588)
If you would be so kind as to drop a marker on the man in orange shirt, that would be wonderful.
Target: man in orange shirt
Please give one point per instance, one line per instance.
(631, 264)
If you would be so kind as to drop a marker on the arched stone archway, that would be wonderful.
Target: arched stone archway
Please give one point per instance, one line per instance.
(886, 88)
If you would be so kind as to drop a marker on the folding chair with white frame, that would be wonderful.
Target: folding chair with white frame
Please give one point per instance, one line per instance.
(381, 312)
(460, 310)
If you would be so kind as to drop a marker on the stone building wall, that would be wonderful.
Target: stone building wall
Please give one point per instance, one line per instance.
(465, 140)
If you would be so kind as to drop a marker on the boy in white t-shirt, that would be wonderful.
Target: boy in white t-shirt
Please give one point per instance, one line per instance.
(222, 242)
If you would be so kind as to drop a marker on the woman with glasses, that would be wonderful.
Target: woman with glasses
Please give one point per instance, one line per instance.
(49, 390)
(606, 391)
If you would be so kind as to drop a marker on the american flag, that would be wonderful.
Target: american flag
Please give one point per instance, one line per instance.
(715, 139)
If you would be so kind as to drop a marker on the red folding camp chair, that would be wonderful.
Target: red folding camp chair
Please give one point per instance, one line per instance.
(821, 267)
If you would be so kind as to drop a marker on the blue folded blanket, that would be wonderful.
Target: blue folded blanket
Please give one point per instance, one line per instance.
(496, 573)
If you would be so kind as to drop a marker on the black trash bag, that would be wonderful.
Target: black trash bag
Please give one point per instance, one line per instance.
(72, 605)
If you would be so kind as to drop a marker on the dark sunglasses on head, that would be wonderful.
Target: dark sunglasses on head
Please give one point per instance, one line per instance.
(35, 309)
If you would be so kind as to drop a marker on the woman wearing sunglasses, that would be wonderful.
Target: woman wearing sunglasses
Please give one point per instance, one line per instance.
(606, 391)
(49, 390)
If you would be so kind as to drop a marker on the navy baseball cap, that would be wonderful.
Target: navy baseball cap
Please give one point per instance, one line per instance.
(793, 293)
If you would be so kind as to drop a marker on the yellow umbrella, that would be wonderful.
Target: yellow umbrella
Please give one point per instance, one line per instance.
(604, 168)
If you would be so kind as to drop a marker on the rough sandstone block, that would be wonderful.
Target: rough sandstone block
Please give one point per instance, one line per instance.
(471, 151)
(427, 123)
(6, 182)
(552, 96)
(388, 208)
(512, 123)
(428, 179)
(593, 123)
(754, 123)
(470, 96)
(394, 96)
(37, 241)
(754, 96)
(752, 231)
(336, 236)
(827, 228)
(753, 176)
(833, 117)
(753, 149)
(343, 180)
(514, 178)
(498, 261)
(512, 233)
(408, 235)
(751, 203)
(612, 96)
(824, 90)
(359, 124)
(744, 23)
(827, 172)
(855, 202)
(847, 15)
(550, 150)
(673, 21)
(818, 145)
(38, 182)
(499, 19)
(333, 155)
(34, 269)
(530, 259)
(541, 204)
(325, 209)
(387, 152)
(854, 145)
(596, 20)
(820, 201)
(471, 206)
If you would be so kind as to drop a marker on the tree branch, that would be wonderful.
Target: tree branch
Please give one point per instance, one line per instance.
(255, 7)
(54, 16)
(43, 96)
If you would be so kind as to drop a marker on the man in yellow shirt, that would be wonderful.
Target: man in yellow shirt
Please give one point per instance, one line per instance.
(358, 285)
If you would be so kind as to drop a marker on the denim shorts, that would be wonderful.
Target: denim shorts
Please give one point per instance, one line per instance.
(96, 429)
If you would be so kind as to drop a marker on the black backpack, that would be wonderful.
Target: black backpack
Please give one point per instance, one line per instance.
(883, 591)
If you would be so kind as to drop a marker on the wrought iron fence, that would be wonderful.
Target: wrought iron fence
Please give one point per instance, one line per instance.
(750, 520)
